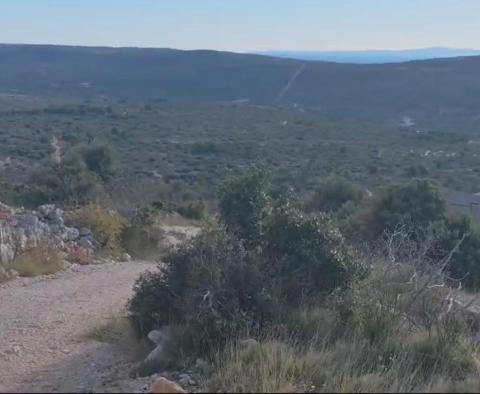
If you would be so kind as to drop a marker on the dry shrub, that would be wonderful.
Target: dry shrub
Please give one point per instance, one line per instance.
(106, 226)
(144, 237)
(42, 259)
(117, 330)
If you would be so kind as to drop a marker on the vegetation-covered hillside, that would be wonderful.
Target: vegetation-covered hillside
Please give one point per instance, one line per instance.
(440, 93)
(196, 145)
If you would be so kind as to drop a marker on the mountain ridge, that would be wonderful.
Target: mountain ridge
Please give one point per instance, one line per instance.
(374, 56)
(440, 92)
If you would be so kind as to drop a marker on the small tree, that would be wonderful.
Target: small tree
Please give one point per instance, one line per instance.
(417, 202)
(333, 194)
(306, 254)
(101, 161)
(462, 236)
(244, 203)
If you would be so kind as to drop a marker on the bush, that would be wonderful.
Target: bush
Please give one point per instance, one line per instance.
(417, 203)
(462, 236)
(193, 210)
(68, 182)
(42, 259)
(243, 203)
(306, 254)
(101, 161)
(105, 225)
(219, 286)
(77, 180)
(117, 330)
(209, 286)
(333, 194)
(143, 236)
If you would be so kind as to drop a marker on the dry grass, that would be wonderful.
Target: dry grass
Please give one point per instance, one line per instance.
(42, 259)
(394, 338)
(353, 365)
(117, 330)
(106, 226)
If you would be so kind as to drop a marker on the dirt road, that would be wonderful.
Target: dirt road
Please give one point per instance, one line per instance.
(43, 323)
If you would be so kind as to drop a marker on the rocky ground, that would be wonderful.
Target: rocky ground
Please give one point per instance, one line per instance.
(43, 322)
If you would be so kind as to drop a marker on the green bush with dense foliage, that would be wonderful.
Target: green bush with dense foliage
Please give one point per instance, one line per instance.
(334, 194)
(323, 321)
(101, 161)
(195, 210)
(78, 179)
(225, 284)
(417, 203)
(243, 204)
(459, 239)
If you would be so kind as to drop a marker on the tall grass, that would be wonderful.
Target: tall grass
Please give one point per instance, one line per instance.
(388, 342)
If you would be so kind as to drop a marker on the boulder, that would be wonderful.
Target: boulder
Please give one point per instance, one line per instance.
(85, 243)
(85, 232)
(158, 357)
(71, 234)
(156, 336)
(7, 253)
(21, 229)
(125, 257)
(186, 380)
(163, 385)
(46, 209)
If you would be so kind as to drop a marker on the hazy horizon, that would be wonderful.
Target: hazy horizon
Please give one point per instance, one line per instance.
(247, 26)
(253, 51)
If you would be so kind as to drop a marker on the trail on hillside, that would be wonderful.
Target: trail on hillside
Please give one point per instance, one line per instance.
(289, 84)
(57, 150)
(43, 322)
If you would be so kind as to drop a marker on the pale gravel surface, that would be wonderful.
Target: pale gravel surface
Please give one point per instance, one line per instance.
(43, 322)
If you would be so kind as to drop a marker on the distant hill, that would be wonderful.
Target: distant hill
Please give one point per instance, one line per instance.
(374, 56)
(434, 93)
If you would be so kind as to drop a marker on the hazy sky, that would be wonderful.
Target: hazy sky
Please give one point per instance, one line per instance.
(244, 25)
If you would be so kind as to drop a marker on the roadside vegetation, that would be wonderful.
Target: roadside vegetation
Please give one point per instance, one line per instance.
(340, 269)
(279, 299)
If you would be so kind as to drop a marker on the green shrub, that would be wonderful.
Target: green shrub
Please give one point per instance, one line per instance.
(243, 203)
(209, 286)
(417, 203)
(68, 182)
(218, 287)
(101, 161)
(306, 254)
(42, 259)
(333, 194)
(462, 237)
(193, 210)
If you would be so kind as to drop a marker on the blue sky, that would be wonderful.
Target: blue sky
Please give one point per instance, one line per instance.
(244, 25)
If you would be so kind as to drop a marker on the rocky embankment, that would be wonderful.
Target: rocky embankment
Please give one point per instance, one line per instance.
(21, 229)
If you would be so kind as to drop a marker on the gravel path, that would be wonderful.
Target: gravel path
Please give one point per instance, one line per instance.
(43, 322)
